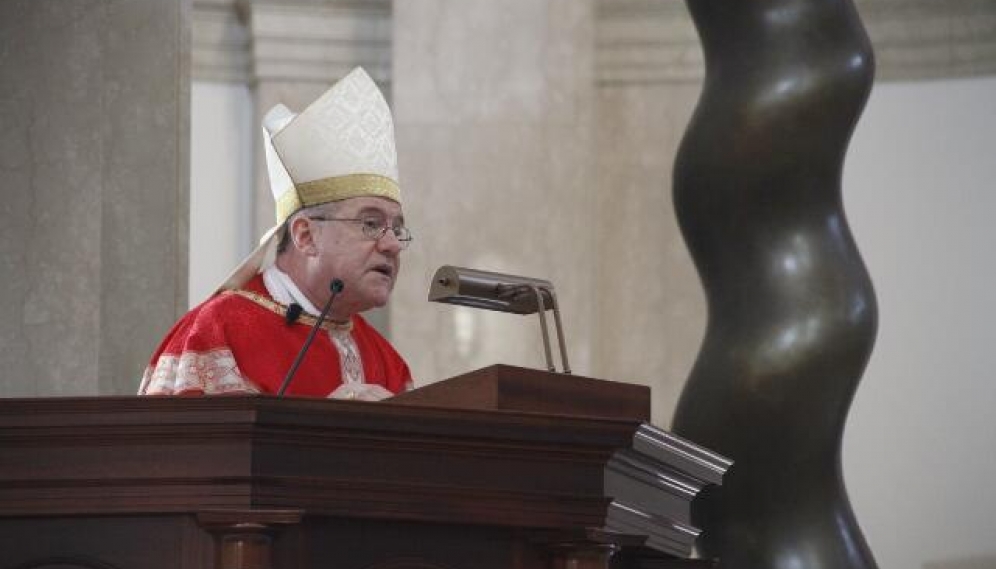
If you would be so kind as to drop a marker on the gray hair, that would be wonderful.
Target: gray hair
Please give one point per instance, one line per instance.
(284, 241)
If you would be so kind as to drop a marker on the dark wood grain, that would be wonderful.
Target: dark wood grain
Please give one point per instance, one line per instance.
(238, 481)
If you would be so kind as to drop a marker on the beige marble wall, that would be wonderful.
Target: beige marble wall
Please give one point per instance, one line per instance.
(93, 170)
(653, 316)
(529, 146)
(493, 105)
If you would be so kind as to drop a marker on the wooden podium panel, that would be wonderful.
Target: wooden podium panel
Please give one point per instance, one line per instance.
(256, 482)
(514, 388)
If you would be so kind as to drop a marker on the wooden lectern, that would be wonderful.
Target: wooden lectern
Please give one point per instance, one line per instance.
(500, 468)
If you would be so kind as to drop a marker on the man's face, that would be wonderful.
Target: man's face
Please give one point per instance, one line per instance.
(367, 267)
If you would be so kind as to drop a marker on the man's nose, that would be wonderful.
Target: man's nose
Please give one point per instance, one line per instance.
(389, 243)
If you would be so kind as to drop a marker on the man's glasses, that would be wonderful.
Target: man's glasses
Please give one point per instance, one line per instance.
(374, 228)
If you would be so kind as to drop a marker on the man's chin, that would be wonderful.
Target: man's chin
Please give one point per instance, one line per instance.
(377, 299)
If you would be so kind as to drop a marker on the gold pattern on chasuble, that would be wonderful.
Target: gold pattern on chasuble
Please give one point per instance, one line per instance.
(277, 308)
(349, 353)
(210, 372)
(349, 357)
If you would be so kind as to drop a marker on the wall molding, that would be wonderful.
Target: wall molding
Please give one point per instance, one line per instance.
(925, 39)
(319, 42)
(247, 41)
(636, 41)
(653, 41)
(645, 42)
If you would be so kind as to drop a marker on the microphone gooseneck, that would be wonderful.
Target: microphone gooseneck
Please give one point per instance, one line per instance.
(336, 287)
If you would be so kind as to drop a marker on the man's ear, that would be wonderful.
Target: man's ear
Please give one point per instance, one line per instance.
(302, 235)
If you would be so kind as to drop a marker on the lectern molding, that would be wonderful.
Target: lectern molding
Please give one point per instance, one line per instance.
(235, 482)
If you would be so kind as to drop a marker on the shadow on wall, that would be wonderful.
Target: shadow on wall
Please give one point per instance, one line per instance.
(987, 562)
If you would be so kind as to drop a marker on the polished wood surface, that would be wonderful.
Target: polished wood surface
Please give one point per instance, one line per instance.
(149, 455)
(514, 388)
(253, 482)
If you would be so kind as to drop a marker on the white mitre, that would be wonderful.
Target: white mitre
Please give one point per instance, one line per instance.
(341, 146)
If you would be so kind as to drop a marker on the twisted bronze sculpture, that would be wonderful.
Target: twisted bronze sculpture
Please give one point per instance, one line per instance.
(792, 314)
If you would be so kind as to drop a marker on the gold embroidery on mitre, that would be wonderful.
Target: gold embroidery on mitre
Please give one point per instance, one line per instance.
(335, 189)
(277, 308)
(287, 204)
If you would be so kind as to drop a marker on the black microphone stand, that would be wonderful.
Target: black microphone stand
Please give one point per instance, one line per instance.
(336, 287)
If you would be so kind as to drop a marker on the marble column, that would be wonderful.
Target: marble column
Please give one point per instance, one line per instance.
(93, 156)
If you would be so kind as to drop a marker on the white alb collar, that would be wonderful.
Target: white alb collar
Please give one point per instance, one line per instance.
(283, 290)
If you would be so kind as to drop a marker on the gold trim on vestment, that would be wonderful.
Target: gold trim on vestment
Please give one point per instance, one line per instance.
(281, 309)
(335, 189)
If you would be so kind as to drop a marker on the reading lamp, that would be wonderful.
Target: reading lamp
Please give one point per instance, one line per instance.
(504, 293)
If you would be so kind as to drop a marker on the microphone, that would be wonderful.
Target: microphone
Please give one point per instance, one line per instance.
(336, 287)
(293, 313)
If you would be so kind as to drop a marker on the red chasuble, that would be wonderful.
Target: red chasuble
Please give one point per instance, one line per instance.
(239, 342)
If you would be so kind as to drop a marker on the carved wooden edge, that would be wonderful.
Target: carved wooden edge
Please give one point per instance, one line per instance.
(653, 484)
(234, 454)
(503, 387)
(231, 453)
(64, 561)
(244, 538)
(595, 548)
(581, 548)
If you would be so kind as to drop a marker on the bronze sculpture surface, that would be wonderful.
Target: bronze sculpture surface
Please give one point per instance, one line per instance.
(792, 314)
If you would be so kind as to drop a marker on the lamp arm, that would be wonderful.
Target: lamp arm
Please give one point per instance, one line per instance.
(560, 331)
(546, 334)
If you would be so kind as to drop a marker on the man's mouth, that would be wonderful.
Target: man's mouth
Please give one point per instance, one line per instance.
(384, 269)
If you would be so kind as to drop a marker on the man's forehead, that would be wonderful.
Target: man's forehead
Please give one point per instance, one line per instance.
(367, 204)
